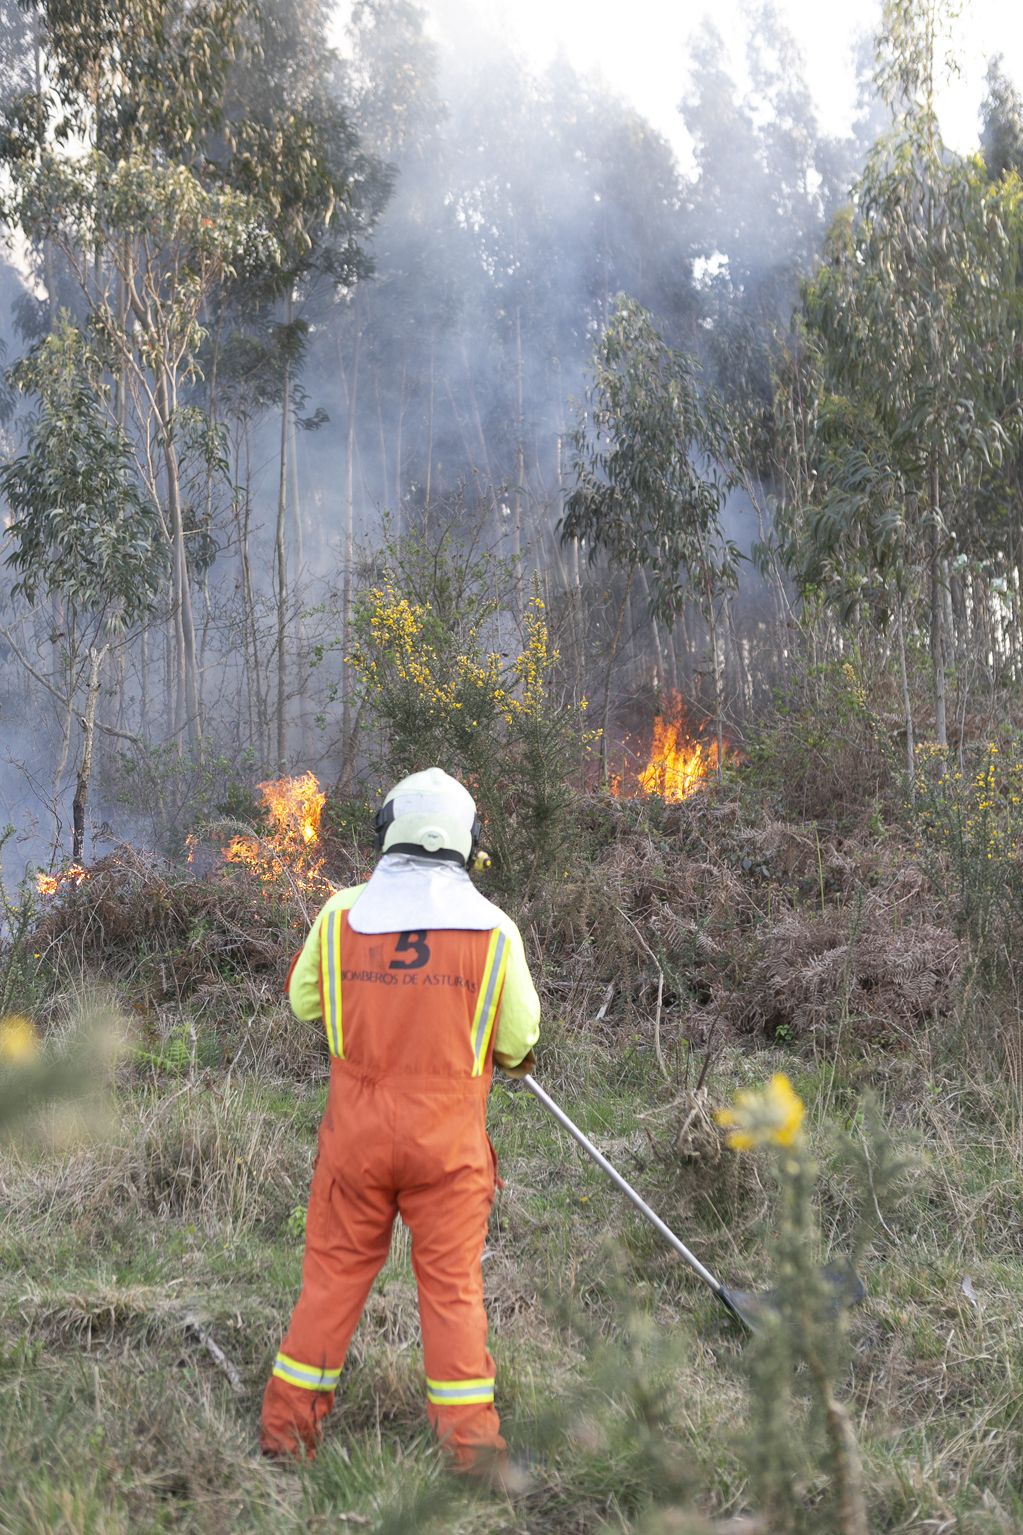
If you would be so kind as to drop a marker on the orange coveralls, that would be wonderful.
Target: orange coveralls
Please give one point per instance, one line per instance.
(413, 1022)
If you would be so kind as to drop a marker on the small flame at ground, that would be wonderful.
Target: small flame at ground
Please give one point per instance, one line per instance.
(49, 884)
(678, 763)
(293, 809)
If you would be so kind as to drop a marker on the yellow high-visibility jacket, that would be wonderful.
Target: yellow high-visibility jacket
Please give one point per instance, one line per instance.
(518, 1019)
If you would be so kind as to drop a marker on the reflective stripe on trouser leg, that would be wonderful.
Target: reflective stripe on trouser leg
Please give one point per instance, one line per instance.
(459, 1393)
(348, 1236)
(309, 1376)
(448, 1222)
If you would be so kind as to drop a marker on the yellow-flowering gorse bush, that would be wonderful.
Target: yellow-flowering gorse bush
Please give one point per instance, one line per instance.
(968, 819)
(451, 678)
(800, 1431)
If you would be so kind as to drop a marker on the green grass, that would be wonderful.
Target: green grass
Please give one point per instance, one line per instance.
(117, 1419)
(621, 1379)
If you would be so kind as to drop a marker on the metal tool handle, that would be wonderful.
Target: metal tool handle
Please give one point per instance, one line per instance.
(627, 1189)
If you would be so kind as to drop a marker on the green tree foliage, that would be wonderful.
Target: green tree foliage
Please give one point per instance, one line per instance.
(84, 532)
(138, 75)
(82, 528)
(163, 244)
(647, 450)
(1001, 139)
(217, 157)
(912, 339)
(647, 454)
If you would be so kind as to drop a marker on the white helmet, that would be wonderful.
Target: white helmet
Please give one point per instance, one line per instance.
(430, 812)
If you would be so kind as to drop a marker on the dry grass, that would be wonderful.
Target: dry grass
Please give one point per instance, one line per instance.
(618, 1373)
(808, 976)
(172, 932)
(202, 1152)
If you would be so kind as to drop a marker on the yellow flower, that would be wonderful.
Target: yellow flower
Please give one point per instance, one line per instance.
(19, 1042)
(771, 1117)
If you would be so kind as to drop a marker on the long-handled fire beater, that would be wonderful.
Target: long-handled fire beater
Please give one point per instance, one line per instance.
(745, 1306)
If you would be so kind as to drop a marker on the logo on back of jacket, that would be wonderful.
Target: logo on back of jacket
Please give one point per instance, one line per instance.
(411, 956)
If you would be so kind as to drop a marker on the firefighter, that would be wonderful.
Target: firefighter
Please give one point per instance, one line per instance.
(423, 985)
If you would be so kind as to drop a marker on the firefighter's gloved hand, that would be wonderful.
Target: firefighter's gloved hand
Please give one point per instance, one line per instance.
(519, 1069)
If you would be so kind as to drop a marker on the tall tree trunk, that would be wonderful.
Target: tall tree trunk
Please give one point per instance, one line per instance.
(481, 435)
(743, 681)
(520, 453)
(348, 552)
(687, 647)
(88, 724)
(144, 682)
(937, 614)
(121, 714)
(907, 702)
(711, 616)
(1015, 613)
(63, 685)
(428, 484)
(579, 611)
(658, 649)
(385, 500)
(608, 670)
(398, 432)
(187, 716)
(170, 673)
(301, 655)
(281, 557)
(257, 700)
(213, 397)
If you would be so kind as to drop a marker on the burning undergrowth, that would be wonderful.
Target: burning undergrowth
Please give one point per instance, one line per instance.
(703, 920)
(49, 884)
(136, 915)
(239, 907)
(691, 918)
(289, 854)
(681, 758)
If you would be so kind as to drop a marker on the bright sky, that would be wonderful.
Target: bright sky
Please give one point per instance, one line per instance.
(639, 46)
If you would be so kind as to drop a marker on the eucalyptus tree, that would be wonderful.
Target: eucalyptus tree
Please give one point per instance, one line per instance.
(291, 144)
(147, 245)
(912, 307)
(123, 95)
(767, 181)
(171, 172)
(1001, 139)
(647, 453)
(84, 534)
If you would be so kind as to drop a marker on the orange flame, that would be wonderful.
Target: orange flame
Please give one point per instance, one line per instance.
(293, 808)
(678, 763)
(49, 884)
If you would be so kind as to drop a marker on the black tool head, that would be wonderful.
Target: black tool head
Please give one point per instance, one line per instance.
(753, 1307)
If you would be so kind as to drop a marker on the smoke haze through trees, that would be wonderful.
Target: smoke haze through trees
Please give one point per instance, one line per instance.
(372, 306)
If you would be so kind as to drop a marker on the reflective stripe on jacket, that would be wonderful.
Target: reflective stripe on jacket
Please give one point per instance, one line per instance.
(411, 1004)
(513, 1031)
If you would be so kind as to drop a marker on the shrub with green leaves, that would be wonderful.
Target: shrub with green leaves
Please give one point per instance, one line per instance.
(969, 822)
(428, 647)
(800, 1349)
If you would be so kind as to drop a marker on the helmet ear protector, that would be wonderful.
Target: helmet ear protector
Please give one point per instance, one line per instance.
(381, 821)
(476, 832)
(386, 814)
